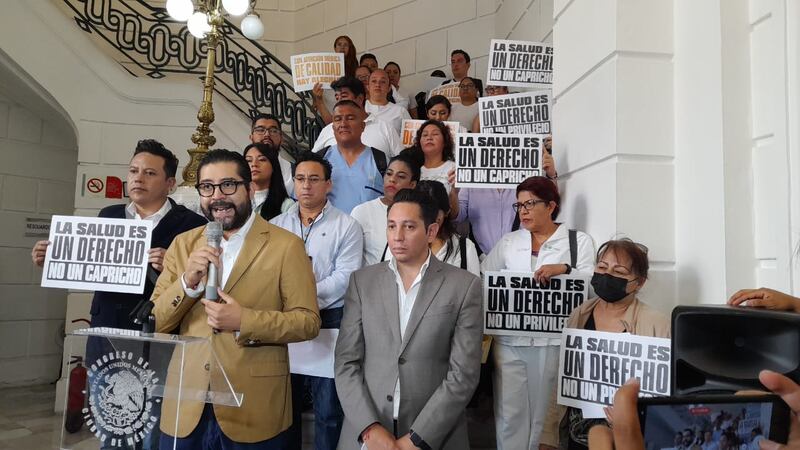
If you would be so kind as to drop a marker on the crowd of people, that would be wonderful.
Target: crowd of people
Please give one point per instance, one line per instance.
(373, 239)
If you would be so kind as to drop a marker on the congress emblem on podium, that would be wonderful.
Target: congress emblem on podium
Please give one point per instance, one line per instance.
(121, 404)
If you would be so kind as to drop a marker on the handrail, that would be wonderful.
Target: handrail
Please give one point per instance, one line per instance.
(245, 72)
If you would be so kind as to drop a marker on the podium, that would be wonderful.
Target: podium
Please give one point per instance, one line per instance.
(134, 386)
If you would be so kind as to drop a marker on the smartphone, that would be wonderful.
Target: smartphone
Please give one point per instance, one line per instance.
(713, 422)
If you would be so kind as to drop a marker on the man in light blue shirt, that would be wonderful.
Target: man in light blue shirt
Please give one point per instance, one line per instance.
(334, 243)
(357, 175)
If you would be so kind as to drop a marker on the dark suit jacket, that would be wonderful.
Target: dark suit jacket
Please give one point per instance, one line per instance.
(438, 360)
(111, 309)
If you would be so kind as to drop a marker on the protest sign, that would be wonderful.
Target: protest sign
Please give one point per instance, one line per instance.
(410, 127)
(449, 90)
(514, 304)
(312, 68)
(496, 160)
(520, 63)
(593, 364)
(97, 253)
(523, 113)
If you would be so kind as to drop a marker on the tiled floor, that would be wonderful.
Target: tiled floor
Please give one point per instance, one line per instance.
(27, 421)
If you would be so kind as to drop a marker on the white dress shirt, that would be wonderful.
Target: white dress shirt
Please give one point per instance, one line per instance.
(132, 213)
(231, 247)
(259, 197)
(400, 99)
(454, 259)
(405, 303)
(335, 243)
(464, 115)
(390, 113)
(377, 134)
(371, 216)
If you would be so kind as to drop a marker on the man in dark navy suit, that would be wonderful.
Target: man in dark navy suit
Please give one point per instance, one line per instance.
(150, 178)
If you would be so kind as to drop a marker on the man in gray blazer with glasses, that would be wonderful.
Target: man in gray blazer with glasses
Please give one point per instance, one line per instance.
(409, 349)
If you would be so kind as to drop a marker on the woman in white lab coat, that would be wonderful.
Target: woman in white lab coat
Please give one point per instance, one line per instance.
(525, 367)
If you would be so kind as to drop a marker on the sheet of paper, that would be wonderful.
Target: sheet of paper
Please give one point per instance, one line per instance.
(314, 357)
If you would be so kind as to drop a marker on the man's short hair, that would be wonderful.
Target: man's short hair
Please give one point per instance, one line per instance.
(457, 51)
(352, 83)
(263, 116)
(156, 148)
(438, 73)
(327, 168)
(347, 103)
(221, 155)
(366, 56)
(427, 206)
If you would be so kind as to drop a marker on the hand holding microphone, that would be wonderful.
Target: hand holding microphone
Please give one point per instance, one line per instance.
(214, 237)
(202, 260)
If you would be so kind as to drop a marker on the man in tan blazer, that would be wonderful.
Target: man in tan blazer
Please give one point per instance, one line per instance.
(409, 348)
(267, 299)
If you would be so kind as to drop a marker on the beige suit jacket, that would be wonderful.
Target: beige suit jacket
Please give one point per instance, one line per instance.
(273, 282)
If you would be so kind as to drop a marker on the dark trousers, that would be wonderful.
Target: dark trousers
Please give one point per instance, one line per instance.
(328, 414)
(207, 435)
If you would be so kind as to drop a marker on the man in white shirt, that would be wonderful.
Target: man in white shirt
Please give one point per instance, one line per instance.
(334, 243)
(265, 129)
(377, 133)
(460, 63)
(379, 105)
(409, 349)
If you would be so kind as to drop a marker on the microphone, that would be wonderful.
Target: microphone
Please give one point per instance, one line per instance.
(214, 237)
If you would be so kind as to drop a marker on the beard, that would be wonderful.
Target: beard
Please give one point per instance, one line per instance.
(229, 222)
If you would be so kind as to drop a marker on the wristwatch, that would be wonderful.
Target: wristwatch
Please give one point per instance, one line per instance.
(418, 441)
(569, 269)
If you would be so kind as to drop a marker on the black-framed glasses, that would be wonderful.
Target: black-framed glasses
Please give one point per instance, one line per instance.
(301, 180)
(264, 130)
(527, 204)
(227, 187)
(465, 87)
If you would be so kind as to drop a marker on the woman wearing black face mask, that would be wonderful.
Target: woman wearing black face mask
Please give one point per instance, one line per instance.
(619, 275)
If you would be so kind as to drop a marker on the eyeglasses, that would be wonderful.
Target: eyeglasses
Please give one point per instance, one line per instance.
(263, 130)
(492, 89)
(311, 180)
(465, 87)
(527, 205)
(227, 187)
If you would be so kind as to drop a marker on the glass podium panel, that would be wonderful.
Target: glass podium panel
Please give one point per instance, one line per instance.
(134, 385)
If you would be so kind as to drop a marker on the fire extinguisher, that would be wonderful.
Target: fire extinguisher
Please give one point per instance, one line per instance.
(76, 396)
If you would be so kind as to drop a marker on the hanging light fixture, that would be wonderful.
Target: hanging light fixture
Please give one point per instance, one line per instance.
(207, 22)
(198, 25)
(236, 7)
(252, 28)
(180, 10)
(199, 21)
